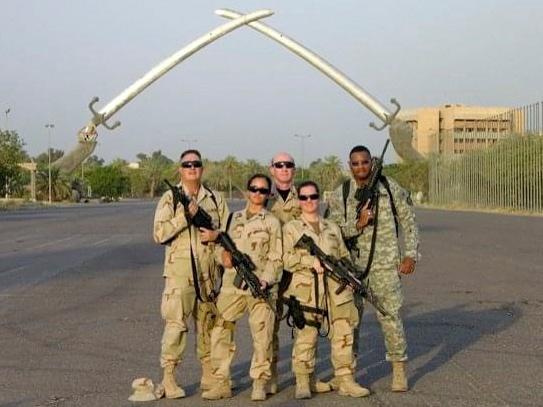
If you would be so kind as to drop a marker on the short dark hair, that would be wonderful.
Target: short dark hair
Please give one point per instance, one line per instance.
(359, 149)
(259, 176)
(307, 183)
(190, 151)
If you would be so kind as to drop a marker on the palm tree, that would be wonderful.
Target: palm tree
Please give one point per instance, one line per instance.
(155, 168)
(60, 184)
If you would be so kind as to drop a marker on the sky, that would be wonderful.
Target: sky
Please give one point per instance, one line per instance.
(245, 95)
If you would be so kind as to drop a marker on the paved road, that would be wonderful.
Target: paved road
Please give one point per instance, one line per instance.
(80, 290)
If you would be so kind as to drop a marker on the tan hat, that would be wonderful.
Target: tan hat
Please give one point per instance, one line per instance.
(144, 390)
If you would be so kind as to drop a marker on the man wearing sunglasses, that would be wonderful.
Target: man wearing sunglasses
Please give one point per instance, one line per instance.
(257, 233)
(189, 270)
(283, 203)
(377, 250)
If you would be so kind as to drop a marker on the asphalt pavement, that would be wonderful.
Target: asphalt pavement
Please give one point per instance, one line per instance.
(80, 291)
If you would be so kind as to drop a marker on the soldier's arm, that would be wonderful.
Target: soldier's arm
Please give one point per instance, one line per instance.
(336, 213)
(274, 258)
(167, 224)
(407, 220)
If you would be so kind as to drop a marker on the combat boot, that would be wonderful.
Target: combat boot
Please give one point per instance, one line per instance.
(219, 390)
(399, 377)
(171, 389)
(348, 387)
(206, 381)
(259, 390)
(318, 386)
(303, 390)
(334, 383)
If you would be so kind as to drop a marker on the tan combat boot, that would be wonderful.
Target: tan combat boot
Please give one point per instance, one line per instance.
(171, 389)
(303, 391)
(206, 380)
(348, 387)
(259, 390)
(318, 386)
(220, 389)
(399, 377)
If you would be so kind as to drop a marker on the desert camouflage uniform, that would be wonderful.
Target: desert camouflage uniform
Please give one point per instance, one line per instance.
(383, 279)
(260, 238)
(343, 315)
(179, 299)
(285, 211)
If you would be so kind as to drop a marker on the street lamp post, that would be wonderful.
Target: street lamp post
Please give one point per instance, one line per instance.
(6, 112)
(49, 127)
(189, 141)
(303, 137)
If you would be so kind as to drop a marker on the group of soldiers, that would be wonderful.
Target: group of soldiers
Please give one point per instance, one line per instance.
(201, 276)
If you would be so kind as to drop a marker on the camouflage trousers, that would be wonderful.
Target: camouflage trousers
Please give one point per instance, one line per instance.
(231, 305)
(178, 304)
(386, 288)
(343, 319)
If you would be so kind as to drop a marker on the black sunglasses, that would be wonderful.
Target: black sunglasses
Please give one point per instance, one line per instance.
(263, 191)
(313, 197)
(191, 164)
(283, 164)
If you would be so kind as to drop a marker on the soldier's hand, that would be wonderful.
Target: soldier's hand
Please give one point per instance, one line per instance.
(318, 266)
(407, 266)
(264, 285)
(366, 216)
(208, 235)
(226, 258)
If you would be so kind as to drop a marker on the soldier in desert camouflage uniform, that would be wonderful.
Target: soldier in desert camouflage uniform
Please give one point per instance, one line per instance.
(387, 265)
(257, 233)
(342, 313)
(283, 203)
(179, 298)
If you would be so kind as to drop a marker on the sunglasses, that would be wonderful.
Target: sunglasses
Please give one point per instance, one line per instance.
(191, 164)
(312, 197)
(283, 164)
(360, 163)
(262, 191)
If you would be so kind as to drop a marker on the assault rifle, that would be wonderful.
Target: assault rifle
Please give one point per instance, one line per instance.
(201, 219)
(342, 271)
(245, 276)
(370, 191)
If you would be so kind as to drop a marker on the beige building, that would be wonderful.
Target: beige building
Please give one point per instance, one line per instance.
(456, 128)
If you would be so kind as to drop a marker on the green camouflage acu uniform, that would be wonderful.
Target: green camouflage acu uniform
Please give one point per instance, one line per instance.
(285, 211)
(383, 279)
(343, 316)
(259, 237)
(179, 299)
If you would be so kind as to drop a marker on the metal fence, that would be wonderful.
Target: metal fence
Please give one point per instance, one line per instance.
(493, 170)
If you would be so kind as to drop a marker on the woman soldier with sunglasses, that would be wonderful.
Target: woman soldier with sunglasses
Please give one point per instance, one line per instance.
(312, 287)
(257, 233)
(188, 269)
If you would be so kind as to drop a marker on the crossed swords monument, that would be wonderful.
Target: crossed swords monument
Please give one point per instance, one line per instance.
(400, 132)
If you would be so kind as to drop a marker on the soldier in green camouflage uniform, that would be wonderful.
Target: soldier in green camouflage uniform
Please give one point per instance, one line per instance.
(342, 313)
(179, 298)
(257, 233)
(283, 203)
(387, 264)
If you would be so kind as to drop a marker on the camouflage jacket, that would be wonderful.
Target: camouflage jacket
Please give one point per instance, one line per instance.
(300, 262)
(387, 248)
(284, 210)
(260, 238)
(171, 228)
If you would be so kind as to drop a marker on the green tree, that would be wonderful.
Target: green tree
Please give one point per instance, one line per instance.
(61, 185)
(11, 155)
(109, 181)
(155, 168)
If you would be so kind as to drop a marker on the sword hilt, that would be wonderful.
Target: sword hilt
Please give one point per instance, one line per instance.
(98, 118)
